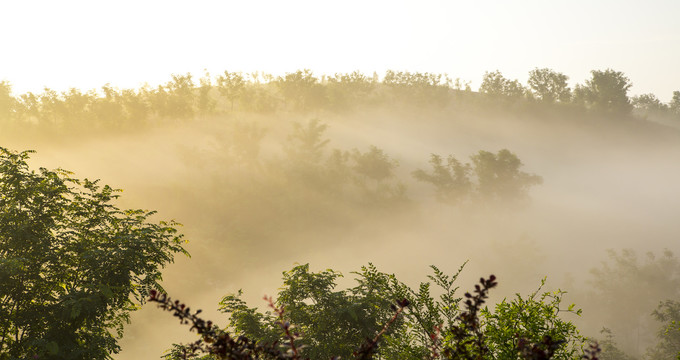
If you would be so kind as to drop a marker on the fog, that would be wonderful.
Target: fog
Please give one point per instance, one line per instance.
(608, 183)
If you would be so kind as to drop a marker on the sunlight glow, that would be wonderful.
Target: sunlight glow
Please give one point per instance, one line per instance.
(86, 44)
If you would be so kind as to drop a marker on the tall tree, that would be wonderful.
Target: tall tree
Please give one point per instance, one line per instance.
(6, 101)
(451, 179)
(606, 91)
(231, 85)
(205, 103)
(72, 265)
(549, 86)
(301, 90)
(674, 105)
(648, 102)
(494, 83)
(109, 109)
(499, 176)
(180, 100)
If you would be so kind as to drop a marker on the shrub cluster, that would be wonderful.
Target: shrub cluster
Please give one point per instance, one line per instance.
(313, 320)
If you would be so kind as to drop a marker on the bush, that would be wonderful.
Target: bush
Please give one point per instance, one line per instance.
(313, 320)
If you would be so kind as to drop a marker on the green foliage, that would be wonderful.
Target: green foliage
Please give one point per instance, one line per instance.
(531, 319)
(333, 322)
(320, 321)
(248, 321)
(668, 346)
(72, 265)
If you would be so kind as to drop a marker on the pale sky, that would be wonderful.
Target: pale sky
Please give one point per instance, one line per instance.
(85, 44)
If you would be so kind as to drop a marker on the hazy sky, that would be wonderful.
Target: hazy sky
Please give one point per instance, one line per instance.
(85, 44)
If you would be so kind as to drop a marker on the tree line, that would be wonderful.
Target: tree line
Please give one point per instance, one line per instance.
(184, 97)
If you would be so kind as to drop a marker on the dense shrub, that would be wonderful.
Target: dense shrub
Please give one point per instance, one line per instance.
(311, 319)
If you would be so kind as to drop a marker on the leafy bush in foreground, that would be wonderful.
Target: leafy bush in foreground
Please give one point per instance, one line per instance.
(313, 320)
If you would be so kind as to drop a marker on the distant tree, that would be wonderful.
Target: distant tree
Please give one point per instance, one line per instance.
(674, 105)
(205, 104)
(648, 103)
(461, 85)
(301, 90)
(499, 177)
(243, 143)
(158, 100)
(373, 169)
(29, 105)
(77, 109)
(7, 102)
(180, 96)
(307, 142)
(51, 109)
(231, 86)
(374, 164)
(451, 179)
(606, 91)
(109, 110)
(72, 265)
(339, 172)
(549, 86)
(344, 91)
(136, 106)
(305, 164)
(259, 98)
(420, 88)
(494, 83)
